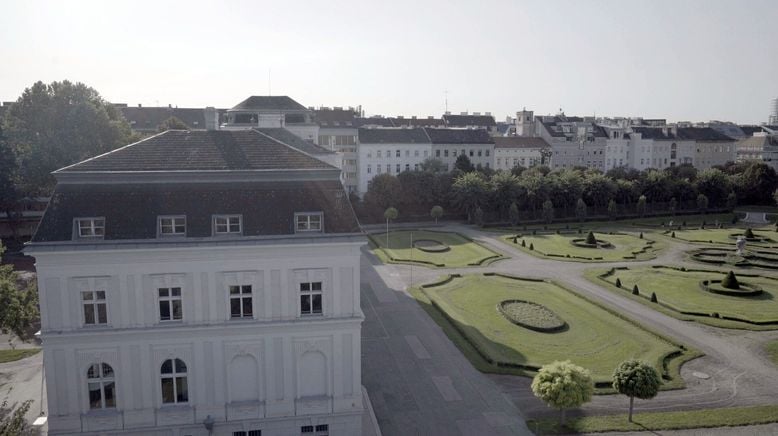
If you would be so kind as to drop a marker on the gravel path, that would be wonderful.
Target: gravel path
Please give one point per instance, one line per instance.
(739, 374)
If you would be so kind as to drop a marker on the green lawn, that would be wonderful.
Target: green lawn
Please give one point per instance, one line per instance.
(722, 236)
(654, 421)
(560, 247)
(462, 251)
(595, 338)
(13, 355)
(772, 351)
(679, 294)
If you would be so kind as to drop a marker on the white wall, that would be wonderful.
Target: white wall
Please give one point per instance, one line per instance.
(375, 159)
(508, 158)
(300, 370)
(479, 154)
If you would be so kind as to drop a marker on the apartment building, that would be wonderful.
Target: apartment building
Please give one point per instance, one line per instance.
(390, 151)
(519, 151)
(338, 132)
(448, 144)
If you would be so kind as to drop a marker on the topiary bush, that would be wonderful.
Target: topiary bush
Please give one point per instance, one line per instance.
(672, 235)
(618, 282)
(590, 239)
(641, 235)
(531, 246)
(635, 290)
(749, 234)
(523, 243)
(730, 281)
(653, 297)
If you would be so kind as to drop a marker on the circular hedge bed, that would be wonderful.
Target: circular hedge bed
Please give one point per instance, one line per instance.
(431, 246)
(745, 290)
(581, 242)
(750, 237)
(532, 316)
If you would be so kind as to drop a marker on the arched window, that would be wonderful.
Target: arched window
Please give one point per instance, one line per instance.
(174, 386)
(102, 386)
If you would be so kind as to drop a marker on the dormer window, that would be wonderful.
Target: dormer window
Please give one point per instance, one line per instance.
(307, 222)
(227, 225)
(90, 227)
(172, 225)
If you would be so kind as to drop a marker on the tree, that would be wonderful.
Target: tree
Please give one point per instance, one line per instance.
(384, 191)
(463, 164)
(702, 203)
(598, 189)
(478, 216)
(18, 303)
(436, 212)
(730, 281)
(673, 205)
(563, 386)
(612, 211)
(470, 191)
(13, 421)
(731, 200)
(513, 214)
(390, 214)
(55, 125)
(505, 188)
(9, 194)
(755, 183)
(641, 206)
(634, 378)
(172, 123)
(548, 211)
(433, 165)
(580, 210)
(591, 239)
(715, 185)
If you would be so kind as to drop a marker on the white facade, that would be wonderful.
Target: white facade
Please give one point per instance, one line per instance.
(389, 158)
(276, 371)
(509, 158)
(480, 154)
(343, 140)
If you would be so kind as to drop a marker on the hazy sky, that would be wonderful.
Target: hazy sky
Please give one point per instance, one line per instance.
(683, 60)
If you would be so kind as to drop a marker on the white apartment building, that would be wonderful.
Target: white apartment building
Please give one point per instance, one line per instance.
(519, 151)
(448, 144)
(200, 283)
(338, 133)
(390, 151)
(575, 141)
(761, 147)
(642, 148)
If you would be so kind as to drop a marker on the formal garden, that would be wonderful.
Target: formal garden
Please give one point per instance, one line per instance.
(714, 297)
(765, 237)
(585, 246)
(512, 325)
(431, 249)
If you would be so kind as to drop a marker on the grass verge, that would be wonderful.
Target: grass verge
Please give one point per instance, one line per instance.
(654, 421)
(460, 251)
(771, 348)
(14, 355)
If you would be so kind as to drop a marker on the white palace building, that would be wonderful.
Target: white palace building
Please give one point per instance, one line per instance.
(201, 283)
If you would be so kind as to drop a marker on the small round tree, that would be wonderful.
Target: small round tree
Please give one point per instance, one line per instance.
(749, 234)
(436, 212)
(563, 385)
(730, 281)
(634, 378)
(590, 239)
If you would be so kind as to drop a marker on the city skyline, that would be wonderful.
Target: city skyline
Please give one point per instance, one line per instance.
(688, 61)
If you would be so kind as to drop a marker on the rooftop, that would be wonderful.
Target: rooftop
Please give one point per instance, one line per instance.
(204, 150)
(519, 142)
(269, 103)
(292, 140)
(393, 135)
(459, 136)
(469, 120)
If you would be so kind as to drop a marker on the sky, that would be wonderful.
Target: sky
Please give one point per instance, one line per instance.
(677, 59)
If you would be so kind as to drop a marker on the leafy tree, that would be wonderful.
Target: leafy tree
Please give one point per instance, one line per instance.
(433, 165)
(673, 205)
(713, 184)
(55, 125)
(655, 186)
(702, 203)
(598, 189)
(478, 216)
(563, 385)
(612, 210)
(13, 421)
(504, 188)
(384, 191)
(755, 183)
(172, 123)
(513, 214)
(436, 212)
(682, 172)
(548, 211)
(463, 164)
(389, 214)
(634, 378)
(470, 191)
(641, 206)
(731, 200)
(580, 210)
(9, 194)
(18, 304)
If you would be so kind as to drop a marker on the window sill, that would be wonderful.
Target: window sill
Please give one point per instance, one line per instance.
(102, 413)
(96, 326)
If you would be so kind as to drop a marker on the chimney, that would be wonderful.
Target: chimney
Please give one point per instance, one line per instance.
(170, 106)
(477, 113)
(463, 113)
(488, 114)
(139, 105)
(211, 118)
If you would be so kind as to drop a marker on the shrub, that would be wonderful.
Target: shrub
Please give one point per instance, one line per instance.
(635, 290)
(531, 246)
(672, 235)
(618, 282)
(515, 239)
(653, 297)
(641, 234)
(749, 233)
(563, 385)
(634, 378)
(730, 281)
(523, 243)
(590, 239)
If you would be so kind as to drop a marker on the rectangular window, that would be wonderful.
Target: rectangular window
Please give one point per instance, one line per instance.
(397, 153)
(255, 432)
(170, 308)
(90, 227)
(95, 309)
(377, 154)
(445, 153)
(425, 153)
(479, 153)
(407, 167)
(240, 302)
(227, 224)
(487, 153)
(471, 153)
(397, 167)
(437, 153)
(310, 298)
(454, 153)
(407, 153)
(415, 153)
(319, 430)
(369, 169)
(172, 225)
(307, 222)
